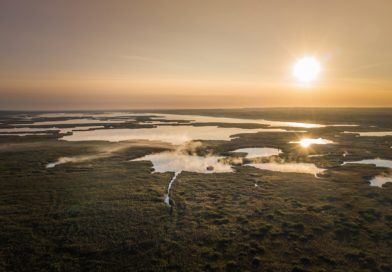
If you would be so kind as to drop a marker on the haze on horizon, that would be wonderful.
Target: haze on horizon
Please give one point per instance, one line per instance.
(192, 54)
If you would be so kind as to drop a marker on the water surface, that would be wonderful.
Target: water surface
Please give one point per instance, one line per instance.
(371, 133)
(26, 129)
(306, 142)
(25, 134)
(256, 152)
(307, 168)
(84, 114)
(31, 131)
(171, 134)
(379, 181)
(378, 162)
(211, 119)
(177, 162)
(74, 122)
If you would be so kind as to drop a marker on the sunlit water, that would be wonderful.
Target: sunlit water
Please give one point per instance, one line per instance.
(166, 198)
(177, 162)
(25, 134)
(170, 134)
(344, 125)
(371, 133)
(306, 142)
(162, 123)
(376, 162)
(24, 131)
(211, 119)
(379, 181)
(74, 122)
(193, 119)
(72, 129)
(316, 155)
(189, 118)
(258, 152)
(85, 114)
(307, 168)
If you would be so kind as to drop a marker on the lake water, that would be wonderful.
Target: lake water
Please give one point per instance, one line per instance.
(26, 129)
(306, 142)
(74, 122)
(21, 131)
(25, 134)
(258, 152)
(93, 118)
(170, 134)
(307, 168)
(371, 133)
(177, 163)
(211, 119)
(190, 118)
(379, 181)
(377, 162)
(85, 114)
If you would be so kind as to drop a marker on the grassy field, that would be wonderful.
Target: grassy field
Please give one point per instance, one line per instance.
(108, 214)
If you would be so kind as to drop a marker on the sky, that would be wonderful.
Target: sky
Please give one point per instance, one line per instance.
(95, 54)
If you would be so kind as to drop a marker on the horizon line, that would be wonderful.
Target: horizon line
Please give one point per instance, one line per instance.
(196, 108)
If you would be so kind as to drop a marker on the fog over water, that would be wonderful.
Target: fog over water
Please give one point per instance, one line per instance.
(177, 162)
(104, 151)
(75, 159)
(307, 168)
(177, 129)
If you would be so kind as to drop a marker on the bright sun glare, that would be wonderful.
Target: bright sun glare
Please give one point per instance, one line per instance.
(306, 69)
(305, 142)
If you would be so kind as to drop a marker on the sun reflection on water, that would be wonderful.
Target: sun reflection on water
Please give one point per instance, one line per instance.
(306, 142)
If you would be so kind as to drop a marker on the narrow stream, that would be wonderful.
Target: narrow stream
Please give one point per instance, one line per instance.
(167, 196)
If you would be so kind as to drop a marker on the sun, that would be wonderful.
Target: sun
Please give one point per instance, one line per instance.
(306, 69)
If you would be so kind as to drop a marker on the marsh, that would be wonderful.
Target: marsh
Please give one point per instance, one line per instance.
(238, 196)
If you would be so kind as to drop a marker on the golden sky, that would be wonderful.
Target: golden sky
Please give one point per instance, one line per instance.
(97, 54)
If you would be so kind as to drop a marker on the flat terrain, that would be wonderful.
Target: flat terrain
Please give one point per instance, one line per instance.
(108, 214)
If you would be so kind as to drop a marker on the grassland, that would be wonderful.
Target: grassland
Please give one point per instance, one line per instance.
(108, 214)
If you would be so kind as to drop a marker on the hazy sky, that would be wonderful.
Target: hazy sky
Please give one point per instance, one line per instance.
(73, 54)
